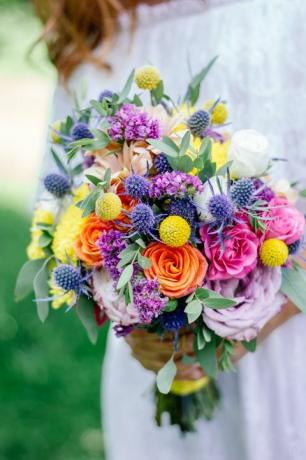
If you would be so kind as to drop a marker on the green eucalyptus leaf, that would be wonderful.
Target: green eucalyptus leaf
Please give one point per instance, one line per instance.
(141, 243)
(223, 170)
(125, 276)
(201, 342)
(125, 259)
(98, 106)
(164, 147)
(59, 163)
(193, 310)
(89, 203)
(171, 305)
(144, 262)
(41, 290)
(194, 87)
(158, 92)
(207, 358)
(127, 87)
(25, 279)
(185, 143)
(93, 179)
(45, 239)
(294, 286)
(166, 376)
(219, 303)
(85, 311)
(130, 248)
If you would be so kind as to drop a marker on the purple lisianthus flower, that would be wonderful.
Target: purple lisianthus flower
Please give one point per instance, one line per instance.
(131, 124)
(111, 244)
(147, 300)
(258, 300)
(262, 191)
(174, 183)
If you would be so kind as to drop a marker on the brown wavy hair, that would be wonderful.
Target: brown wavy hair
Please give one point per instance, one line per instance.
(74, 28)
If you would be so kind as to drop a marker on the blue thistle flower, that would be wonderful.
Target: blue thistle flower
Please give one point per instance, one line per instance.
(294, 248)
(174, 321)
(68, 278)
(142, 218)
(221, 208)
(242, 192)
(81, 131)
(183, 207)
(161, 164)
(57, 184)
(198, 122)
(106, 94)
(136, 186)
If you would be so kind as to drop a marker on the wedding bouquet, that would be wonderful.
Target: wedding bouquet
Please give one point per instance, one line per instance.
(157, 219)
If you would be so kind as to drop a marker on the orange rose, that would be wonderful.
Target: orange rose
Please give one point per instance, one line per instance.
(85, 246)
(178, 270)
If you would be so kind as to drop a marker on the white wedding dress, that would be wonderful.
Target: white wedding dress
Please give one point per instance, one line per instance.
(261, 73)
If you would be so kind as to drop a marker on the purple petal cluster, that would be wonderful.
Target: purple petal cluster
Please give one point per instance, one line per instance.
(111, 244)
(174, 183)
(263, 192)
(131, 124)
(147, 300)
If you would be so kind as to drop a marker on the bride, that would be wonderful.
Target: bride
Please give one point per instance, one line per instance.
(261, 73)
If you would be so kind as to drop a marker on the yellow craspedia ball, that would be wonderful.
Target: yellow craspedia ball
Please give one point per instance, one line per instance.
(274, 253)
(56, 126)
(219, 114)
(147, 77)
(108, 206)
(174, 231)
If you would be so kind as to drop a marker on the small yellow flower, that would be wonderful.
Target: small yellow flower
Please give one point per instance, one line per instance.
(174, 231)
(40, 216)
(273, 253)
(56, 126)
(219, 114)
(219, 153)
(187, 387)
(147, 77)
(60, 297)
(108, 206)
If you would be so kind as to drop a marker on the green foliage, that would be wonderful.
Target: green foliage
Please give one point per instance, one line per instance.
(84, 309)
(194, 86)
(294, 286)
(166, 376)
(50, 377)
(250, 345)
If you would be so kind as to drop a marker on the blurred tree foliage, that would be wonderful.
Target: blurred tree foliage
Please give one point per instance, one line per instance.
(50, 373)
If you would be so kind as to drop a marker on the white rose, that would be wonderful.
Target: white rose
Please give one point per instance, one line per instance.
(201, 199)
(249, 152)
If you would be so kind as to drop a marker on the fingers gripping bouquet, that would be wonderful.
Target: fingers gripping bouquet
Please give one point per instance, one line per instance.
(156, 219)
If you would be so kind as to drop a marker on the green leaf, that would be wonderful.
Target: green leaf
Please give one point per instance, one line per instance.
(166, 376)
(202, 293)
(41, 290)
(144, 262)
(89, 203)
(250, 345)
(141, 243)
(127, 87)
(171, 305)
(158, 92)
(193, 90)
(205, 150)
(99, 107)
(207, 358)
(45, 239)
(25, 279)
(93, 179)
(164, 147)
(294, 286)
(125, 276)
(131, 248)
(193, 310)
(185, 143)
(85, 310)
(59, 162)
(201, 342)
(219, 303)
(126, 258)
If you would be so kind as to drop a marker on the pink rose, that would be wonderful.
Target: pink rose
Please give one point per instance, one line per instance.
(285, 221)
(236, 258)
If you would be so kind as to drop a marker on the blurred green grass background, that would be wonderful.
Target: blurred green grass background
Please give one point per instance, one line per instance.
(50, 373)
